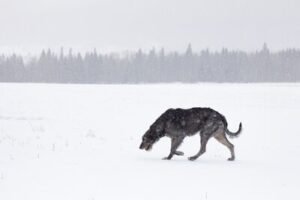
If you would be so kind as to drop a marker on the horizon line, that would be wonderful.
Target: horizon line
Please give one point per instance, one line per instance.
(21, 51)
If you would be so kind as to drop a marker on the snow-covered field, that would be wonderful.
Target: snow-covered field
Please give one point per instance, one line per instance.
(80, 142)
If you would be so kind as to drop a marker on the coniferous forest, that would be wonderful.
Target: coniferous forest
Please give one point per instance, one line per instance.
(154, 66)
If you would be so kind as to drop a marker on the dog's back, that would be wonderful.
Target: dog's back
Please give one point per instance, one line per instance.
(188, 121)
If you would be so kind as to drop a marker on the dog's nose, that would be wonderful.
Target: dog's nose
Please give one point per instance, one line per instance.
(141, 146)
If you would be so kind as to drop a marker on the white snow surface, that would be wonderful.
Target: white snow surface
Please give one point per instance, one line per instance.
(80, 142)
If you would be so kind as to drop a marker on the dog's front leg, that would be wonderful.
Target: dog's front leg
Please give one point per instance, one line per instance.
(203, 141)
(175, 143)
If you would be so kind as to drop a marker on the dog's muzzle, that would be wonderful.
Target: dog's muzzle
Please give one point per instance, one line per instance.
(142, 146)
(145, 146)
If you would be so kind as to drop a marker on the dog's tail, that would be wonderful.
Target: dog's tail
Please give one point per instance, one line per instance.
(234, 134)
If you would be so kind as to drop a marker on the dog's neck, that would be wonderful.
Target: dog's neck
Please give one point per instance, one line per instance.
(160, 134)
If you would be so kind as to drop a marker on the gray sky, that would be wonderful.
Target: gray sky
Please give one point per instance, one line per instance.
(117, 25)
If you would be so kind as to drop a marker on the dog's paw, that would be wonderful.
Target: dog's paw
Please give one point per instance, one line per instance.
(166, 158)
(192, 158)
(179, 153)
(230, 159)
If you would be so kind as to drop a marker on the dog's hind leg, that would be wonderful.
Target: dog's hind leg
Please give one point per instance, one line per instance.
(221, 137)
(203, 141)
(175, 143)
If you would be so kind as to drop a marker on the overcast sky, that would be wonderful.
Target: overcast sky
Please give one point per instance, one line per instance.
(117, 25)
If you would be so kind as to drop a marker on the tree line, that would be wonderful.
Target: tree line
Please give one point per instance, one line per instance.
(154, 66)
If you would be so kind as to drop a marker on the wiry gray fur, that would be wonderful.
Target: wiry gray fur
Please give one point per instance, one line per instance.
(179, 123)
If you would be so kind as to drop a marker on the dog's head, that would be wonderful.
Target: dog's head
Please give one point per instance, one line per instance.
(148, 140)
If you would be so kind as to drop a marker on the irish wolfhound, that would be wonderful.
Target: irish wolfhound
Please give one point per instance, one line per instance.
(179, 123)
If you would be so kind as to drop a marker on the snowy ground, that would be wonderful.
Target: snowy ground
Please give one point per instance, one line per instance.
(80, 142)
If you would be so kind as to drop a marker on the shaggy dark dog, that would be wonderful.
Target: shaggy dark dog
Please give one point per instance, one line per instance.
(179, 123)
